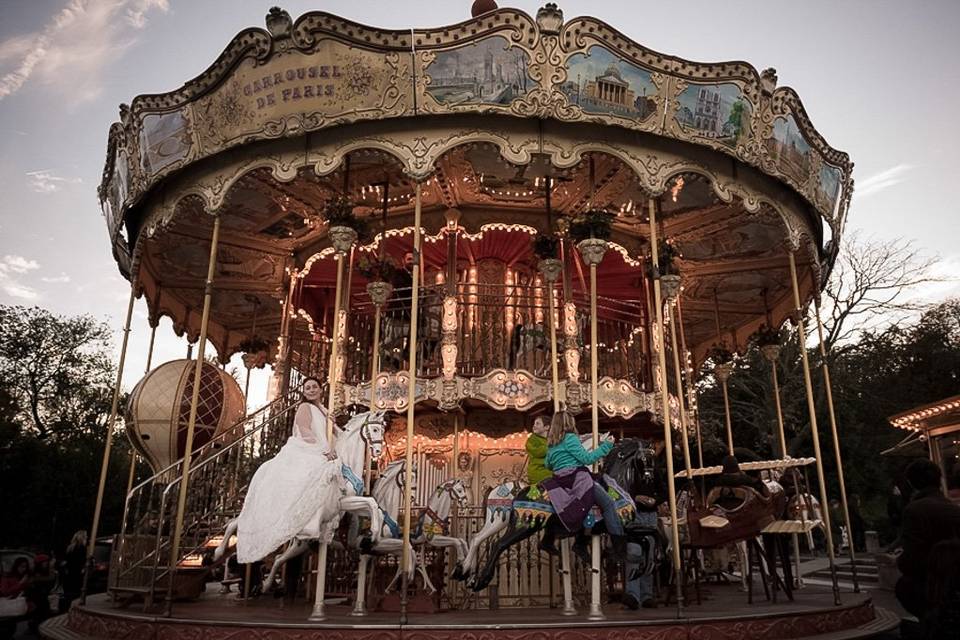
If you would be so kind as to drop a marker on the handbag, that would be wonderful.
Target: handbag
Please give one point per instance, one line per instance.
(13, 607)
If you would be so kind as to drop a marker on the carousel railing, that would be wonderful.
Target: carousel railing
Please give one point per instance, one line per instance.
(218, 479)
(499, 327)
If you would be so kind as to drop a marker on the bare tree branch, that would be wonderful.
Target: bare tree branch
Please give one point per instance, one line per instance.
(869, 286)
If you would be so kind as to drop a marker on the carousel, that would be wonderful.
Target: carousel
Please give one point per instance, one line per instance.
(458, 231)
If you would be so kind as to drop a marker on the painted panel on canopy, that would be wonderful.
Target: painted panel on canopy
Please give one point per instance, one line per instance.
(716, 111)
(302, 91)
(164, 140)
(117, 192)
(488, 71)
(599, 81)
(828, 186)
(789, 150)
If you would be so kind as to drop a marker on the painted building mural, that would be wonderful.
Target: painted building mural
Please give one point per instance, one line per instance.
(601, 82)
(789, 149)
(488, 71)
(717, 111)
(828, 186)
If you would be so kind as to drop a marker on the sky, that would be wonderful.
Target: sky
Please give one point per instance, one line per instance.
(878, 78)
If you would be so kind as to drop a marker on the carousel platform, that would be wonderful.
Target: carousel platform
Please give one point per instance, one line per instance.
(723, 614)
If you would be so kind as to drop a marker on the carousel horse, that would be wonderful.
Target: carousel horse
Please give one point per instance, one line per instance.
(362, 433)
(525, 339)
(388, 491)
(395, 330)
(432, 529)
(531, 510)
(496, 509)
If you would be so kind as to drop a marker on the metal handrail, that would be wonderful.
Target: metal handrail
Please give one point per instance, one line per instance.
(154, 493)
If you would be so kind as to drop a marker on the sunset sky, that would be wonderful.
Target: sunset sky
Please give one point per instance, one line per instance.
(879, 80)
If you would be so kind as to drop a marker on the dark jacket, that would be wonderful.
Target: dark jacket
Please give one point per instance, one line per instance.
(929, 518)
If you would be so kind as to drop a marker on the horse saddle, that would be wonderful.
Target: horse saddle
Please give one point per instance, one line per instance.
(733, 514)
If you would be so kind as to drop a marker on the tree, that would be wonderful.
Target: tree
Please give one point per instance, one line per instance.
(55, 390)
(867, 286)
(57, 370)
(888, 352)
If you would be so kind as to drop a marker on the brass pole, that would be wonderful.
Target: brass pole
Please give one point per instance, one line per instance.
(332, 381)
(411, 400)
(194, 401)
(691, 391)
(781, 435)
(153, 334)
(550, 280)
(375, 357)
(108, 445)
(811, 407)
(596, 613)
(722, 372)
(665, 404)
(726, 413)
(836, 444)
(554, 367)
(679, 380)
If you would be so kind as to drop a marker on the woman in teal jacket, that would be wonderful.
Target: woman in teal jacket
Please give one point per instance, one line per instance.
(566, 455)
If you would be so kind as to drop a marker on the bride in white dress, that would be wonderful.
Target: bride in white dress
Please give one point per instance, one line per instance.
(295, 492)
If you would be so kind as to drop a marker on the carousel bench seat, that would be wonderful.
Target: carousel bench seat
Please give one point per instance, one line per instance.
(792, 526)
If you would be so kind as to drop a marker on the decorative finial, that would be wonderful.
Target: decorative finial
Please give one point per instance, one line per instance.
(481, 7)
(768, 80)
(279, 22)
(550, 19)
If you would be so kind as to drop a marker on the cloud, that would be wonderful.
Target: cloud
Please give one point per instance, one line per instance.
(45, 181)
(880, 181)
(17, 264)
(75, 45)
(946, 282)
(62, 278)
(11, 266)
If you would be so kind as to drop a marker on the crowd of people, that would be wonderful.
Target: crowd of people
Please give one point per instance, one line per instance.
(37, 585)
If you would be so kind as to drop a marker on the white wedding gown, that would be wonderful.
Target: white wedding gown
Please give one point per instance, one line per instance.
(294, 493)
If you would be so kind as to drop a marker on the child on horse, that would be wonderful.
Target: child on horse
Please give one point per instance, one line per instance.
(537, 472)
(572, 489)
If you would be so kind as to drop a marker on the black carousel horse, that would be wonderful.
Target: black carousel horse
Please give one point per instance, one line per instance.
(630, 464)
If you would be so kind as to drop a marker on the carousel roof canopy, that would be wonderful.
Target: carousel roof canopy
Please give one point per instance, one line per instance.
(493, 116)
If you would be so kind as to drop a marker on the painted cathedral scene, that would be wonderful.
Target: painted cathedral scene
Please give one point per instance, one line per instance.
(717, 111)
(789, 149)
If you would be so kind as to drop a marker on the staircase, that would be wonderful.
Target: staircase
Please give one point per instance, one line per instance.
(868, 574)
(219, 474)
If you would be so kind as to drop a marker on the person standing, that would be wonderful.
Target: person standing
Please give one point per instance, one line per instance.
(928, 519)
(639, 565)
(74, 564)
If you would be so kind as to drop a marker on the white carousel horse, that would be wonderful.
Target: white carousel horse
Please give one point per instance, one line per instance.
(431, 529)
(388, 492)
(433, 526)
(362, 433)
(498, 504)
